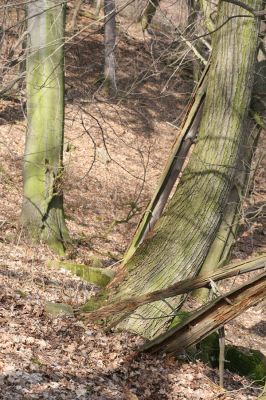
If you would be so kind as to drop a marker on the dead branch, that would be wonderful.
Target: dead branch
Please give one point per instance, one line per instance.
(210, 317)
(130, 304)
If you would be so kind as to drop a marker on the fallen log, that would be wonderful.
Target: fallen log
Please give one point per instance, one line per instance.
(185, 286)
(210, 317)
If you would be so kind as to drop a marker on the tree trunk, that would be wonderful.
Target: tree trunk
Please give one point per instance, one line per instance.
(42, 212)
(148, 13)
(181, 238)
(109, 47)
(220, 250)
(76, 10)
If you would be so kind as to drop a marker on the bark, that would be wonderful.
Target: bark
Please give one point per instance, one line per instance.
(208, 10)
(132, 303)
(210, 318)
(42, 212)
(109, 47)
(224, 241)
(181, 238)
(98, 6)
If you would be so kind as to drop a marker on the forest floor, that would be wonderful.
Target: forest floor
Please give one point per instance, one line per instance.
(114, 153)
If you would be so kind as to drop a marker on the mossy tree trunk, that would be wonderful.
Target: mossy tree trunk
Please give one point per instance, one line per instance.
(220, 251)
(180, 240)
(42, 212)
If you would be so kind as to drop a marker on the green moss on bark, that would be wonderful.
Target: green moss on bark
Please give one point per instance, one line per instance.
(42, 212)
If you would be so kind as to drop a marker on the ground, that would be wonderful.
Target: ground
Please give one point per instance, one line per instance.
(114, 152)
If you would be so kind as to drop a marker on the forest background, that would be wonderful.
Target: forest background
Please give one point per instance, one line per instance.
(114, 152)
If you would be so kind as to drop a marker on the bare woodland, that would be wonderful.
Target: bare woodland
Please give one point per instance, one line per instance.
(132, 213)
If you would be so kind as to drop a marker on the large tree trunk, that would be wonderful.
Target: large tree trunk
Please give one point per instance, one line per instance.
(180, 241)
(42, 212)
(226, 235)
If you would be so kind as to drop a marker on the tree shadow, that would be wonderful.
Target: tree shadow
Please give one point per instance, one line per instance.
(11, 112)
(259, 328)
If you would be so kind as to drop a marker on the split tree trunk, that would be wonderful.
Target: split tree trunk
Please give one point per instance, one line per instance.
(132, 303)
(42, 212)
(181, 238)
(173, 168)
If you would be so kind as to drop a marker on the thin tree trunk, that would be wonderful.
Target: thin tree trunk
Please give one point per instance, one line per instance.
(181, 238)
(42, 212)
(76, 10)
(109, 49)
(148, 13)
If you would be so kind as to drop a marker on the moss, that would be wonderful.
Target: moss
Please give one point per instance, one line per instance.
(245, 362)
(36, 361)
(95, 262)
(180, 317)
(94, 303)
(58, 309)
(22, 294)
(208, 350)
(98, 276)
